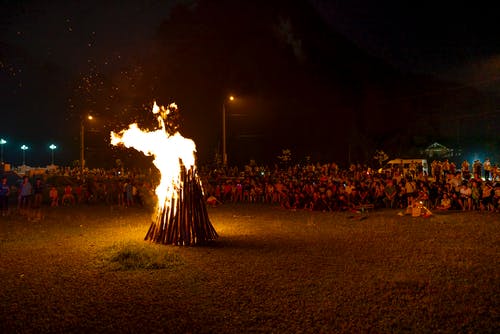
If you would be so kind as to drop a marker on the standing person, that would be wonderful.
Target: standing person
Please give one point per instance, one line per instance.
(465, 170)
(476, 195)
(54, 197)
(487, 197)
(476, 169)
(487, 169)
(78, 197)
(124, 192)
(453, 168)
(120, 193)
(129, 197)
(36, 214)
(446, 168)
(38, 192)
(437, 171)
(25, 196)
(68, 198)
(411, 189)
(390, 194)
(4, 196)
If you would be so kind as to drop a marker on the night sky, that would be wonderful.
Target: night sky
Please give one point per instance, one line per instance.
(331, 79)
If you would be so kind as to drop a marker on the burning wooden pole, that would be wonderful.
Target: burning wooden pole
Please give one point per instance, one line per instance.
(181, 216)
(186, 221)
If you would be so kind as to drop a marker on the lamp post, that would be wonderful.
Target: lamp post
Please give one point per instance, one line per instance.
(2, 143)
(52, 148)
(82, 142)
(24, 148)
(224, 152)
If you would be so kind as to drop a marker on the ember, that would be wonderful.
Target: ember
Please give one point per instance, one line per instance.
(181, 217)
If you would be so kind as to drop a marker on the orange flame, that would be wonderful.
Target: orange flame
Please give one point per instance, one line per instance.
(168, 150)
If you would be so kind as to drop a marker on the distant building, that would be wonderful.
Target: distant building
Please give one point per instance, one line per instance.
(439, 151)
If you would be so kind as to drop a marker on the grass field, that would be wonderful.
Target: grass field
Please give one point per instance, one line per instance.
(87, 270)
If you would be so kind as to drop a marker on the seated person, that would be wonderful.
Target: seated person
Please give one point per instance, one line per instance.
(213, 201)
(445, 202)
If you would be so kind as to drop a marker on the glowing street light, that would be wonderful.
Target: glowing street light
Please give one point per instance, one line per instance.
(82, 142)
(224, 152)
(2, 143)
(24, 148)
(52, 148)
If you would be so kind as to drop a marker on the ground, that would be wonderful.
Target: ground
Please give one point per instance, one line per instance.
(88, 269)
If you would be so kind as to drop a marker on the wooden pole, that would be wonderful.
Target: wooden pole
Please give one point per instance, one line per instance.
(185, 222)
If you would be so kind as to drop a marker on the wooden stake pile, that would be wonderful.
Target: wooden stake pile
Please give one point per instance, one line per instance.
(185, 221)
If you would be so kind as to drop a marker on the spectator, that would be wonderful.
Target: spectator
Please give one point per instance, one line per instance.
(38, 193)
(465, 170)
(4, 197)
(129, 196)
(445, 203)
(487, 197)
(212, 201)
(411, 189)
(24, 200)
(68, 198)
(54, 197)
(465, 198)
(487, 169)
(496, 197)
(477, 169)
(390, 193)
(475, 195)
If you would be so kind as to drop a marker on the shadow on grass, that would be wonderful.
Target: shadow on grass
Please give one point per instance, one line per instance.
(274, 244)
(446, 212)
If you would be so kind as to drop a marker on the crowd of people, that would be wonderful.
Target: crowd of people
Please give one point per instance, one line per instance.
(66, 187)
(326, 187)
(315, 187)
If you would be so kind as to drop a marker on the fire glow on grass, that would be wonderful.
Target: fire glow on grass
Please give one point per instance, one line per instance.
(181, 217)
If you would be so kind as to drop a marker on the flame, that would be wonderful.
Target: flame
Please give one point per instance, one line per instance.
(169, 152)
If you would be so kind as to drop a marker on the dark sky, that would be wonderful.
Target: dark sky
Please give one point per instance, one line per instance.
(62, 59)
(448, 39)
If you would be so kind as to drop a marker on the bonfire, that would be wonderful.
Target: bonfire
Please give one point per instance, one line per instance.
(181, 216)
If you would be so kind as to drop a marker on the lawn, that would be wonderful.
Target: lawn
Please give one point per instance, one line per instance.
(88, 269)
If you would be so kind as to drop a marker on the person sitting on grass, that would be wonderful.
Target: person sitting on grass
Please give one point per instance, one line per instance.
(487, 194)
(496, 197)
(212, 201)
(445, 203)
(465, 199)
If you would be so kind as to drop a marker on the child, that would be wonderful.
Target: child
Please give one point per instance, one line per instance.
(54, 197)
(445, 203)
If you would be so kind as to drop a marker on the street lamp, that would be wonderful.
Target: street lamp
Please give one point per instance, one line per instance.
(24, 148)
(224, 152)
(2, 143)
(82, 142)
(52, 148)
